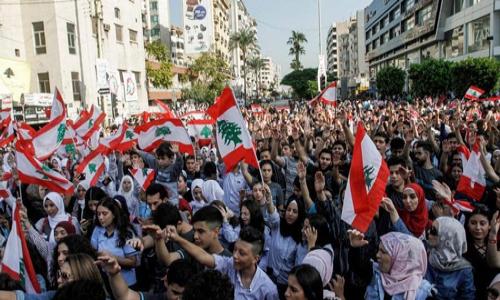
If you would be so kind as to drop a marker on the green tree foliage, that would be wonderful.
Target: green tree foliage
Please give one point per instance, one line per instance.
(209, 74)
(246, 41)
(481, 72)
(256, 64)
(159, 70)
(304, 82)
(296, 42)
(432, 77)
(390, 81)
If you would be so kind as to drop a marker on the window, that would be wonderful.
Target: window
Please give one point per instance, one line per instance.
(75, 83)
(473, 2)
(374, 29)
(368, 34)
(121, 74)
(454, 42)
(424, 14)
(70, 27)
(119, 33)
(409, 4)
(154, 20)
(383, 22)
(16, 51)
(456, 6)
(39, 38)
(44, 82)
(384, 38)
(132, 35)
(117, 13)
(137, 76)
(394, 32)
(155, 32)
(477, 34)
(154, 5)
(408, 24)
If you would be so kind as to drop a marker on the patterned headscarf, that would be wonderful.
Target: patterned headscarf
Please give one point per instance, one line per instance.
(409, 264)
(452, 243)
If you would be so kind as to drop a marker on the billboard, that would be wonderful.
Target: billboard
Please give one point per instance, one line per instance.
(130, 86)
(198, 25)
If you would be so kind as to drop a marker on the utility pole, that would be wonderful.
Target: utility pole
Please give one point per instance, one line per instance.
(98, 18)
(321, 59)
(82, 78)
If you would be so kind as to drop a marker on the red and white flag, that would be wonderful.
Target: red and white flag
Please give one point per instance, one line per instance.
(473, 93)
(32, 171)
(129, 140)
(233, 139)
(58, 108)
(113, 141)
(143, 176)
(256, 108)
(201, 130)
(472, 183)
(24, 131)
(8, 133)
(366, 183)
(152, 134)
(168, 113)
(4, 115)
(16, 260)
(464, 154)
(93, 167)
(329, 95)
(89, 122)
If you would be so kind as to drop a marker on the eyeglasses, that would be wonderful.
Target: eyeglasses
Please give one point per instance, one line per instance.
(433, 231)
(64, 276)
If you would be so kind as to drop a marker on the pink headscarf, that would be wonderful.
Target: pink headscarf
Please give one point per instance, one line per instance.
(409, 264)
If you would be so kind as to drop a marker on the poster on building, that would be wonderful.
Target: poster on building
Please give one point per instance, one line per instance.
(198, 22)
(102, 66)
(130, 86)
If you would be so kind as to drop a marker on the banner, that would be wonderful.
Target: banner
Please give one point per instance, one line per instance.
(198, 22)
(130, 86)
(101, 67)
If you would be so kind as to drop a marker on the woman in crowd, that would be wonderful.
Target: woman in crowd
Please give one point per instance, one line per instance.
(128, 191)
(53, 204)
(198, 200)
(304, 283)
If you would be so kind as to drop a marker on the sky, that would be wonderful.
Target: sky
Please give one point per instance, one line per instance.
(277, 18)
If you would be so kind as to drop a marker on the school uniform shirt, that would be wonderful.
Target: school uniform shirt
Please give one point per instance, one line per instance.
(261, 286)
(232, 185)
(101, 241)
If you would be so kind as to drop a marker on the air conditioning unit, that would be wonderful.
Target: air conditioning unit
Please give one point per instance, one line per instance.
(106, 27)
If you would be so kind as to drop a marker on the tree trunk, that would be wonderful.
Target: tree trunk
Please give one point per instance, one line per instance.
(257, 83)
(244, 77)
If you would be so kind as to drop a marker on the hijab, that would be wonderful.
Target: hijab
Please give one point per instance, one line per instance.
(212, 191)
(409, 264)
(452, 244)
(322, 261)
(129, 196)
(60, 215)
(416, 221)
(197, 183)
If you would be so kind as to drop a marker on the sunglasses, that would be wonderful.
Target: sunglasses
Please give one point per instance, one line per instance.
(433, 231)
(64, 276)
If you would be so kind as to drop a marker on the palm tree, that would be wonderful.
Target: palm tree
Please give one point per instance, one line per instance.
(297, 49)
(256, 64)
(246, 41)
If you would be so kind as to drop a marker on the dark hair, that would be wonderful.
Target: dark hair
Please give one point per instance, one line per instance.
(209, 285)
(256, 217)
(425, 145)
(164, 150)
(156, 188)
(179, 272)
(321, 225)
(166, 214)
(209, 214)
(341, 143)
(94, 193)
(310, 281)
(383, 135)
(253, 236)
(76, 244)
(81, 290)
(325, 150)
(397, 143)
(294, 230)
(190, 157)
(266, 162)
(209, 169)
(122, 224)
(395, 160)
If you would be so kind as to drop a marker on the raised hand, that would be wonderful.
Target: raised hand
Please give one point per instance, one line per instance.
(356, 238)
(319, 182)
(442, 190)
(109, 264)
(301, 170)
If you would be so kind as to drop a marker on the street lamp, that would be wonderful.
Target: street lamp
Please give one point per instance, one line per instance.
(490, 50)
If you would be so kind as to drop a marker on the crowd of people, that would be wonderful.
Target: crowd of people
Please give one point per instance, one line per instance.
(199, 231)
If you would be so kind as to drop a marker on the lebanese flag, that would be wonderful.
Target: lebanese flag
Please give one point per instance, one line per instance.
(152, 134)
(459, 205)
(47, 140)
(195, 114)
(8, 133)
(329, 95)
(4, 190)
(4, 115)
(464, 154)
(201, 130)
(472, 183)
(129, 140)
(473, 93)
(143, 176)
(89, 123)
(168, 113)
(256, 109)
(113, 141)
(16, 260)
(32, 171)
(366, 183)
(58, 108)
(24, 131)
(92, 166)
(68, 145)
(233, 139)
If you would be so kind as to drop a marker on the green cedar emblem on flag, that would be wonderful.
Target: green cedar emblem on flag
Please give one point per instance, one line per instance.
(91, 123)
(61, 130)
(144, 172)
(70, 148)
(129, 134)
(162, 131)
(92, 168)
(206, 132)
(230, 132)
(369, 178)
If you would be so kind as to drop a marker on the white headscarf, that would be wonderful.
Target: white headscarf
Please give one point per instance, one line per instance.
(212, 191)
(129, 196)
(197, 183)
(61, 214)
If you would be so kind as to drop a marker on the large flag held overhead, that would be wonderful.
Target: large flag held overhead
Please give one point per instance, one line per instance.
(165, 109)
(16, 260)
(113, 141)
(129, 140)
(153, 133)
(473, 93)
(143, 176)
(8, 133)
(366, 183)
(464, 154)
(89, 122)
(92, 166)
(201, 130)
(472, 183)
(58, 107)
(329, 95)
(32, 171)
(233, 139)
